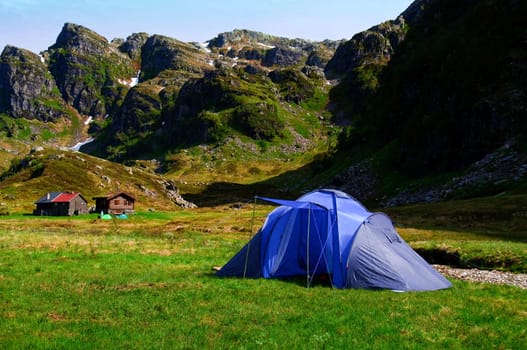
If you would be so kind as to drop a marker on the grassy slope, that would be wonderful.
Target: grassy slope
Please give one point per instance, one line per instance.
(53, 170)
(26, 134)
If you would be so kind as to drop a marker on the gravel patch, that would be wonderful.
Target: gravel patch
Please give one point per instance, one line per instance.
(483, 276)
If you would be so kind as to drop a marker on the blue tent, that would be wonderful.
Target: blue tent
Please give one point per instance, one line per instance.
(327, 232)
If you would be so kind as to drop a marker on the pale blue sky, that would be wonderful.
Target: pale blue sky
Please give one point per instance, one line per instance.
(35, 24)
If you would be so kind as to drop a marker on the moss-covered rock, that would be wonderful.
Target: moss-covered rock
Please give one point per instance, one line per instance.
(130, 131)
(27, 89)
(373, 46)
(258, 120)
(294, 85)
(160, 53)
(453, 91)
(283, 56)
(223, 99)
(133, 46)
(88, 69)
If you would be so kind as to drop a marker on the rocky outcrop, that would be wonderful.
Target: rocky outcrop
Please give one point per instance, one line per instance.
(271, 50)
(283, 56)
(160, 53)
(491, 174)
(251, 53)
(87, 70)
(319, 58)
(140, 110)
(173, 194)
(27, 89)
(81, 40)
(133, 44)
(294, 85)
(373, 46)
(241, 37)
(377, 44)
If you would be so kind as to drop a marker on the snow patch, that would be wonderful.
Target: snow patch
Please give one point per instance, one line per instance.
(205, 47)
(135, 80)
(132, 81)
(78, 146)
(267, 46)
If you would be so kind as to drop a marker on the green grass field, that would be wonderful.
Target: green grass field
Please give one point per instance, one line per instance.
(147, 282)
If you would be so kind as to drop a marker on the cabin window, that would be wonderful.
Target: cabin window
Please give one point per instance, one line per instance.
(116, 202)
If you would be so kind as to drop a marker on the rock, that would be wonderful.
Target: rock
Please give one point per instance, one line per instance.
(359, 180)
(294, 85)
(496, 168)
(133, 45)
(242, 36)
(283, 56)
(373, 46)
(173, 194)
(484, 276)
(87, 69)
(27, 89)
(37, 150)
(161, 53)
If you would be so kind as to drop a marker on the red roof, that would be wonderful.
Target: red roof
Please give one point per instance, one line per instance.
(65, 197)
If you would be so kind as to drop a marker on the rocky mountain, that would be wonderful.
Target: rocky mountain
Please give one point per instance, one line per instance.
(27, 89)
(88, 69)
(421, 100)
(269, 50)
(237, 84)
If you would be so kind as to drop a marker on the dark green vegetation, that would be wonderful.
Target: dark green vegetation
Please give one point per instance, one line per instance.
(147, 282)
(453, 91)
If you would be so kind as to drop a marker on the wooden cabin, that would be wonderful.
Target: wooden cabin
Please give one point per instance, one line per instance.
(61, 204)
(116, 203)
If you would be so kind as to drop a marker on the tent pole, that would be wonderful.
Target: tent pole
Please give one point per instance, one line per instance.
(249, 243)
(337, 271)
(307, 245)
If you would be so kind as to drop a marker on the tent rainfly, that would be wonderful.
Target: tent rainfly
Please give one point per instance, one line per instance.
(328, 232)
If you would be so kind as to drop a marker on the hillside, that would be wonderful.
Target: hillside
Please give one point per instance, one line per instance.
(449, 103)
(407, 111)
(49, 170)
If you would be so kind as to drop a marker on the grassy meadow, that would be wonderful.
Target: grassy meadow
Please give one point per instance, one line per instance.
(148, 282)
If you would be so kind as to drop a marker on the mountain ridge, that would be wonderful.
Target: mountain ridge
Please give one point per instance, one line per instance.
(351, 114)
